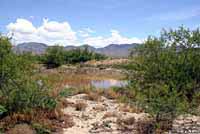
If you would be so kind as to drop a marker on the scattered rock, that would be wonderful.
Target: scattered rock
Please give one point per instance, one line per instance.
(186, 124)
(102, 117)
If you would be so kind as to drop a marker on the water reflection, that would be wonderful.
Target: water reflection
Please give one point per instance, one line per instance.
(99, 84)
(105, 84)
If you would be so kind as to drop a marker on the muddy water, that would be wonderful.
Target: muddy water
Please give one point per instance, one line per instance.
(99, 84)
(105, 84)
(93, 77)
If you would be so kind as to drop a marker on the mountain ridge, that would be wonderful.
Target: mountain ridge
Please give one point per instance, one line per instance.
(112, 50)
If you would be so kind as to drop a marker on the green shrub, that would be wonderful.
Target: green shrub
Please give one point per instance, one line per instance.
(2, 110)
(57, 56)
(67, 92)
(18, 91)
(81, 55)
(54, 56)
(166, 73)
(40, 129)
(48, 102)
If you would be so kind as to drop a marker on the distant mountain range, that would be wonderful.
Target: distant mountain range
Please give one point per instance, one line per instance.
(112, 50)
(33, 47)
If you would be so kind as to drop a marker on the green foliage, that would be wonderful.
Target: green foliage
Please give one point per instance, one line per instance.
(56, 56)
(48, 102)
(166, 73)
(40, 129)
(2, 110)
(67, 92)
(18, 91)
(81, 55)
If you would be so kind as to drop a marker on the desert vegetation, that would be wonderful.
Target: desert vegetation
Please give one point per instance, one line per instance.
(23, 98)
(57, 56)
(163, 77)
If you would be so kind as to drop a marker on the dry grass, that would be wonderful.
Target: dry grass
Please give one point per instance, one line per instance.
(146, 127)
(21, 129)
(127, 121)
(107, 62)
(53, 120)
(130, 125)
(99, 108)
(130, 109)
(93, 96)
(110, 94)
(109, 115)
(127, 125)
(80, 106)
(83, 91)
(64, 103)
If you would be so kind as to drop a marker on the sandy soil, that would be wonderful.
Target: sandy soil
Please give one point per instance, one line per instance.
(100, 117)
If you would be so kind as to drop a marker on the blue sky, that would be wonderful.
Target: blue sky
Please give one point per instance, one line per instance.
(87, 21)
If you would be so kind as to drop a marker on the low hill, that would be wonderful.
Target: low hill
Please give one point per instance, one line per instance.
(33, 47)
(117, 50)
(113, 50)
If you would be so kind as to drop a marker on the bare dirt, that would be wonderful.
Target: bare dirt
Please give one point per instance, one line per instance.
(104, 116)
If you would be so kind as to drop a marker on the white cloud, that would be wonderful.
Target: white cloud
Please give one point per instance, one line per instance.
(50, 32)
(22, 26)
(85, 32)
(53, 32)
(114, 38)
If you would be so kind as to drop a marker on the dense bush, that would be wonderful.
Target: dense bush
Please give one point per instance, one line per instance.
(166, 73)
(18, 91)
(56, 56)
(81, 55)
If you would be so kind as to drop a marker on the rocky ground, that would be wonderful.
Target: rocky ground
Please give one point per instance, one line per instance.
(107, 62)
(186, 124)
(104, 116)
(90, 114)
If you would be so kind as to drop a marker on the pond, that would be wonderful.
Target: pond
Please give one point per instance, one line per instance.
(99, 84)
(105, 84)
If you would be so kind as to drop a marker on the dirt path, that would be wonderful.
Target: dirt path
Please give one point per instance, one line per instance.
(105, 116)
